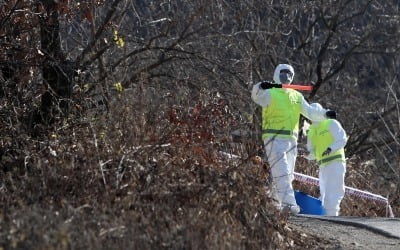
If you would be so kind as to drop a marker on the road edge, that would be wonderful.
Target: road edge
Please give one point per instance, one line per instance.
(344, 221)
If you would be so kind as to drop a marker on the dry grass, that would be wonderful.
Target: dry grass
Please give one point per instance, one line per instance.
(130, 179)
(115, 180)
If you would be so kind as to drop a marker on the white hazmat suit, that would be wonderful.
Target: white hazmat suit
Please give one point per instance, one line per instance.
(331, 174)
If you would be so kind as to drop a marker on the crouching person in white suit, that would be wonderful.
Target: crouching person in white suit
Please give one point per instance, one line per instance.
(325, 142)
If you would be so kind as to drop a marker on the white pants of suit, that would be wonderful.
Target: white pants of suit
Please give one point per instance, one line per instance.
(332, 188)
(281, 155)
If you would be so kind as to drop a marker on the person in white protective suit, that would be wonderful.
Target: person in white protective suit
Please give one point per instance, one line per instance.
(326, 140)
(281, 109)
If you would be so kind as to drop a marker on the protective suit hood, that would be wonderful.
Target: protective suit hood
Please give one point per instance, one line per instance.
(283, 72)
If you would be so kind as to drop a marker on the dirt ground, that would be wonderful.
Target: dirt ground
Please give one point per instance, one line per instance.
(343, 236)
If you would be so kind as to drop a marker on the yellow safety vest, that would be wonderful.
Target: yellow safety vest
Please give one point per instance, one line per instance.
(321, 138)
(281, 118)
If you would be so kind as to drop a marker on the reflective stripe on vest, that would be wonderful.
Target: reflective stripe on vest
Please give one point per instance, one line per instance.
(329, 159)
(277, 131)
(281, 117)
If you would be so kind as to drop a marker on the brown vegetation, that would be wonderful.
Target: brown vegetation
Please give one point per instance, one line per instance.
(114, 114)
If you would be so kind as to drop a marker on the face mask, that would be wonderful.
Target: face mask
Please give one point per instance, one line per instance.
(285, 76)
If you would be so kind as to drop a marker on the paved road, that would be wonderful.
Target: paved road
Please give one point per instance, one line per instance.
(389, 227)
(350, 233)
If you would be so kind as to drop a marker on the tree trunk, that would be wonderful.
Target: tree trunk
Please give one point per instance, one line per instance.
(56, 70)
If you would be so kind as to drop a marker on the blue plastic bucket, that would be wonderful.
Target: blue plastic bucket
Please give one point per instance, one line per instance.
(308, 204)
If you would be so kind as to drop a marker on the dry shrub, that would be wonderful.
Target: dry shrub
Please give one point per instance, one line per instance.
(129, 179)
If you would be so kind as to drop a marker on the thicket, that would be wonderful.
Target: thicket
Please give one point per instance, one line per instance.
(115, 117)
